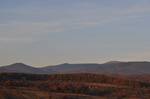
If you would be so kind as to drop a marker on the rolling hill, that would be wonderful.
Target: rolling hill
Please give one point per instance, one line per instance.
(106, 68)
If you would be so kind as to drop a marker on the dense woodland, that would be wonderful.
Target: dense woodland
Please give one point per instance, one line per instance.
(91, 86)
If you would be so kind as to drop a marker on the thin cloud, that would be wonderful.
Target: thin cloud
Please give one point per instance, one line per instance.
(28, 29)
(35, 22)
(16, 40)
(26, 21)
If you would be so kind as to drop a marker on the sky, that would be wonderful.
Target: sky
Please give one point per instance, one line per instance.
(49, 32)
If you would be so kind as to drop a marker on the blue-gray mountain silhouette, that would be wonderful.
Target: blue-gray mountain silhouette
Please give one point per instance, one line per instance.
(113, 67)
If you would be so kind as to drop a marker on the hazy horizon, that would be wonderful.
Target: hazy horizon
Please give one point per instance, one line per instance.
(50, 32)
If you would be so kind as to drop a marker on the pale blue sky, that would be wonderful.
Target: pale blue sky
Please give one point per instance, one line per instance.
(47, 32)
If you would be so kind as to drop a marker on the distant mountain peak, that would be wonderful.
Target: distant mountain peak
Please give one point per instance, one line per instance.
(113, 62)
(21, 64)
(111, 67)
(20, 68)
(65, 64)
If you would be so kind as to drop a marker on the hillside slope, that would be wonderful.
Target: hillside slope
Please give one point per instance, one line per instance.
(71, 86)
(133, 68)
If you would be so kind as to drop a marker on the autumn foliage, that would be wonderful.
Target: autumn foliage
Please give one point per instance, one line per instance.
(72, 85)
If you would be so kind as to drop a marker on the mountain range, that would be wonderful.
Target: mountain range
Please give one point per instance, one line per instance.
(113, 67)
